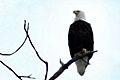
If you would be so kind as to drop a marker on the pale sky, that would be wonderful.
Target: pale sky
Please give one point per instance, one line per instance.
(49, 24)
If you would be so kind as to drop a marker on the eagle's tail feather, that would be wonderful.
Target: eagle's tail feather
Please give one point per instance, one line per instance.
(81, 65)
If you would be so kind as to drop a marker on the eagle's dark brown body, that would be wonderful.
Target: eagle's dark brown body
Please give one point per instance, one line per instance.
(80, 36)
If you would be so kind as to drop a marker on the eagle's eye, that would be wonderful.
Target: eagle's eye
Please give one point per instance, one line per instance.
(78, 11)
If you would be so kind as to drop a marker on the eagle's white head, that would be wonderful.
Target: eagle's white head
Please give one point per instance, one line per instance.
(80, 15)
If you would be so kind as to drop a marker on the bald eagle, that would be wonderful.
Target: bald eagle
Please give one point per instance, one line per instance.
(80, 38)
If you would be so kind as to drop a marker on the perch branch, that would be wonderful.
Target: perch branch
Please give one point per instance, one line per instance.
(65, 66)
(46, 63)
(20, 77)
(4, 54)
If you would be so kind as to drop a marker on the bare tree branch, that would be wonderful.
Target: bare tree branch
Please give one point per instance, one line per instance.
(46, 63)
(65, 66)
(7, 54)
(20, 77)
(27, 36)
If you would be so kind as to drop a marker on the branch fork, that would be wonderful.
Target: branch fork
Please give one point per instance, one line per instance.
(9, 54)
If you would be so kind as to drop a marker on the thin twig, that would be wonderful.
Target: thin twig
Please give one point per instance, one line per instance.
(46, 63)
(28, 77)
(11, 70)
(9, 54)
(61, 62)
(65, 66)
(20, 77)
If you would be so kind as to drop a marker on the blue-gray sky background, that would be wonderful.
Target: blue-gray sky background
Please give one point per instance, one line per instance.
(49, 24)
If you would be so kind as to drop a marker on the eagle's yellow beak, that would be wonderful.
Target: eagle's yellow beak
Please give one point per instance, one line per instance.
(74, 12)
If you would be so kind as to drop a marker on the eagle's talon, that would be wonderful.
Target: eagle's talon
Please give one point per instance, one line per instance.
(84, 50)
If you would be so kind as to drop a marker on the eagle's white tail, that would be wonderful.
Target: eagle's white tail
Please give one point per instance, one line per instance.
(81, 65)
